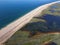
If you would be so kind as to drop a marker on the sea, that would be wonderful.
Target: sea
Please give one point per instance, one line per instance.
(11, 10)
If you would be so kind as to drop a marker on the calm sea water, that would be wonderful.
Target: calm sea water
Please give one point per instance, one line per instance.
(12, 10)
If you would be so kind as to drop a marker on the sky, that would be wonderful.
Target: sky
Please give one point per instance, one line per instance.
(26, 0)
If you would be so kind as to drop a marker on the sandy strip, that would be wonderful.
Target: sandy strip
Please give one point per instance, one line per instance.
(9, 30)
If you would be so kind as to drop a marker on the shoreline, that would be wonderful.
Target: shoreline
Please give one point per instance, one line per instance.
(9, 30)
